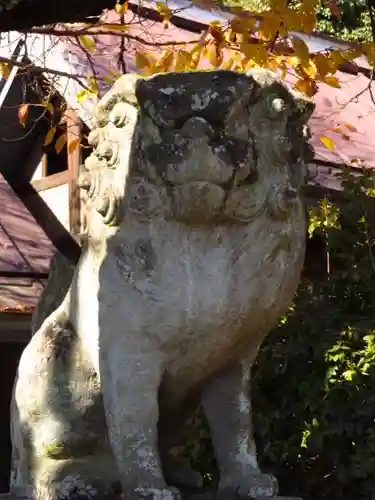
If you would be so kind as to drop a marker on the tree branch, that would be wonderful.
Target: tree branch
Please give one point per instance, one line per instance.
(40, 70)
(98, 30)
(121, 58)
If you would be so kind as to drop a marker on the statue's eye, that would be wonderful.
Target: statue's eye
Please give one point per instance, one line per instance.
(276, 106)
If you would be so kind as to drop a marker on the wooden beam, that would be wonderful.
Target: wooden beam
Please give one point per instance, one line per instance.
(44, 165)
(24, 275)
(74, 131)
(47, 220)
(51, 181)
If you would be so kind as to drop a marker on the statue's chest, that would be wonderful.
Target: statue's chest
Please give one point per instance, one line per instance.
(190, 287)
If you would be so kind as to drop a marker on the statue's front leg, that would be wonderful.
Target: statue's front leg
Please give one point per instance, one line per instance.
(130, 378)
(226, 402)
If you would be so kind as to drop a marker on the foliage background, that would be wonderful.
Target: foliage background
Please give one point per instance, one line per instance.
(316, 432)
(353, 23)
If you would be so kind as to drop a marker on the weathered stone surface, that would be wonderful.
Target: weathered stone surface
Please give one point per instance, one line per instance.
(194, 245)
(60, 276)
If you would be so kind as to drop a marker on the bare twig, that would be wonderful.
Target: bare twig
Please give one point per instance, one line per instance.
(368, 88)
(40, 70)
(121, 57)
(95, 31)
(90, 61)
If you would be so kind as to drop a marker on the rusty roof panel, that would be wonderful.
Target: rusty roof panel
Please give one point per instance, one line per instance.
(23, 248)
(23, 244)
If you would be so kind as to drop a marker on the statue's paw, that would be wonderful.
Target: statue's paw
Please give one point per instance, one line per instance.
(147, 493)
(253, 485)
(75, 487)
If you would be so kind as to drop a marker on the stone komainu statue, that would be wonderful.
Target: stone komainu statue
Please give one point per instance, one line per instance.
(194, 246)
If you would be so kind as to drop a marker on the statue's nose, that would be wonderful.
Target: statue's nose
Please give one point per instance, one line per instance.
(196, 128)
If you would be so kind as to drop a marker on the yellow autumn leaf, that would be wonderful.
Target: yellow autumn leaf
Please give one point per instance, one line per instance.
(87, 42)
(73, 145)
(50, 135)
(369, 50)
(284, 70)
(182, 61)
(352, 53)
(165, 62)
(268, 28)
(229, 35)
(306, 87)
(322, 64)
(243, 37)
(308, 22)
(111, 76)
(49, 107)
(261, 55)
(301, 49)
(23, 113)
(277, 6)
(215, 24)
(256, 53)
(332, 81)
(4, 70)
(272, 65)
(350, 127)
(228, 63)
(327, 142)
(121, 8)
(293, 61)
(92, 86)
(60, 143)
(108, 80)
(291, 20)
(311, 70)
(195, 53)
(308, 6)
(164, 11)
(145, 62)
(213, 54)
(337, 59)
(82, 95)
(241, 25)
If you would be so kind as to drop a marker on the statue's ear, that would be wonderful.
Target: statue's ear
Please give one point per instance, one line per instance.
(237, 118)
(302, 108)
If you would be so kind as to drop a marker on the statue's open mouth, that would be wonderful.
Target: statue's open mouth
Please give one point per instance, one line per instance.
(197, 152)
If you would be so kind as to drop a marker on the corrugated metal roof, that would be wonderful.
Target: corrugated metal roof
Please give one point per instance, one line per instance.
(335, 107)
(24, 248)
